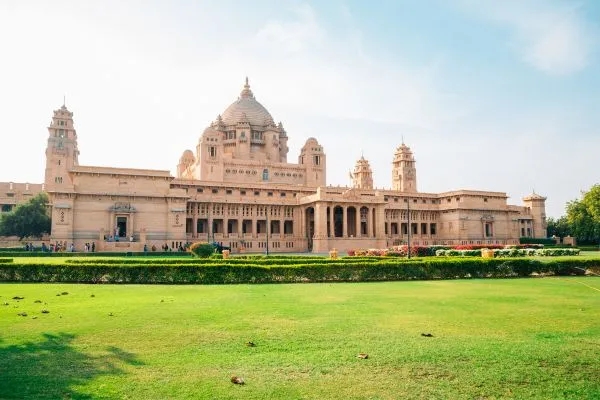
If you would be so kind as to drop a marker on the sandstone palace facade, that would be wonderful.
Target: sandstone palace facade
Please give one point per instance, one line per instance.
(237, 187)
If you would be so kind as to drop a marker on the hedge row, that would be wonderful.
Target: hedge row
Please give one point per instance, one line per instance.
(385, 270)
(5, 260)
(23, 253)
(232, 261)
(511, 252)
(528, 240)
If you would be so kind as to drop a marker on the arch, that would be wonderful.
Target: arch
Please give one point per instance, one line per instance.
(351, 216)
(364, 217)
(310, 226)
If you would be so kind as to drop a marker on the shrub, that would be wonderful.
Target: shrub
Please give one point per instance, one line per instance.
(5, 260)
(202, 249)
(528, 240)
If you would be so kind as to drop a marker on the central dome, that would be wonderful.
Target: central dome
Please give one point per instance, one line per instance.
(246, 105)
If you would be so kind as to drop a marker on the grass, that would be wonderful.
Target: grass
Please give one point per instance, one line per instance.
(520, 338)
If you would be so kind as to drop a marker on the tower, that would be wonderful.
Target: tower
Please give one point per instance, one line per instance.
(537, 207)
(61, 152)
(362, 176)
(404, 171)
(313, 158)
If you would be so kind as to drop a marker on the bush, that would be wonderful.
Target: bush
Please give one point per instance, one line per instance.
(202, 249)
(5, 260)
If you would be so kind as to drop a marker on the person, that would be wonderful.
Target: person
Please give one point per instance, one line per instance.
(131, 238)
(93, 247)
(72, 248)
(145, 249)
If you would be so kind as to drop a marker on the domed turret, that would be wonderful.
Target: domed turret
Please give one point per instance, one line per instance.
(186, 164)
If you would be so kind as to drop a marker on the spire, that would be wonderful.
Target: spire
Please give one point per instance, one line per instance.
(402, 139)
(246, 92)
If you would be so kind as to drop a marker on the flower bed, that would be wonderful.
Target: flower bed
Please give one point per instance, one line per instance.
(514, 252)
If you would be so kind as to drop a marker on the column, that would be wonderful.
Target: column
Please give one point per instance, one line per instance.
(358, 232)
(331, 222)
(194, 221)
(320, 220)
(240, 226)
(345, 221)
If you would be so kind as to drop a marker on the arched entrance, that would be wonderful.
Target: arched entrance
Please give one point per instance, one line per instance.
(338, 221)
(351, 215)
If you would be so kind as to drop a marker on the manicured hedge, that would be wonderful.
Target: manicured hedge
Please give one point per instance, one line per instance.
(528, 240)
(384, 270)
(23, 253)
(230, 261)
(5, 260)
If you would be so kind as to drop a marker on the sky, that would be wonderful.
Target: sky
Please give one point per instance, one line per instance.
(501, 96)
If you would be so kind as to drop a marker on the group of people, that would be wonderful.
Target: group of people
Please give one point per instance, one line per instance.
(59, 246)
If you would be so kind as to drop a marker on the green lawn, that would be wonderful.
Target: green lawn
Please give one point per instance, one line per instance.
(519, 338)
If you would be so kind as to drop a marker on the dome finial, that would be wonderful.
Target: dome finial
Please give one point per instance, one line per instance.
(246, 92)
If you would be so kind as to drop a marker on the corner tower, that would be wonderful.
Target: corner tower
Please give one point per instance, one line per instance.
(362, 176)
(61, 152)
(404, 171)
(537, 207)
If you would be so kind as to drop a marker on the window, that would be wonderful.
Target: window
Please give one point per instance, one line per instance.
(215, 191)
(228, 191)
(317, 160)
(212, 151)
(6, 207)
(199, 190)
(432, 229)
(242, 192)
(265, 174)
(282, 194)
(485, 199)
(489, 231)
(270, 194)
(257, 193)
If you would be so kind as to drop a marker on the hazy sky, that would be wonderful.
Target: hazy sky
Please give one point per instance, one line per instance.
(490, 95)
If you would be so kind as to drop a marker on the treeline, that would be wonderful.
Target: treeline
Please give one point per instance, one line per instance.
(582, 220)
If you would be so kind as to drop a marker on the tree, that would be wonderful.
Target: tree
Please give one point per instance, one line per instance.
(559, 227)
(584, 216)
(28, 219)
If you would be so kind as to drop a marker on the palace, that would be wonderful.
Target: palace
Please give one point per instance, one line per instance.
(238, 188)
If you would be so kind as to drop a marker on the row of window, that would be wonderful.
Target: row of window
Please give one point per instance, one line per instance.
(393, 229)
(244, 192)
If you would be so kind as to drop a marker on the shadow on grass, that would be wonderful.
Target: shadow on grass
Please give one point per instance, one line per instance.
(52, 368)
